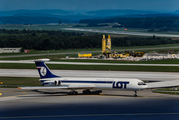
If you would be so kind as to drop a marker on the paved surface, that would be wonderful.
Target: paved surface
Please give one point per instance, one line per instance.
(123, 32)
(159, 76)
(24, 104)
(56, 104)
(85, 63)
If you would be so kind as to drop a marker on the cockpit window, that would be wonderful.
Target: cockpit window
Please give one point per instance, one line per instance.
(141, 83)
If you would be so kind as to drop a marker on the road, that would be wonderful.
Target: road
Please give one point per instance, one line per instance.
(122, 32)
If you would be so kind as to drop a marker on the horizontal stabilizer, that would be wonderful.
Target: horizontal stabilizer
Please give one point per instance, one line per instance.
(41, 87)
(165, 84)
(60, 87)
(42, 60)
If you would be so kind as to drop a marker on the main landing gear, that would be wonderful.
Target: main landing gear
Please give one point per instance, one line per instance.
(86, 91)
(73, 92)
(135, 94)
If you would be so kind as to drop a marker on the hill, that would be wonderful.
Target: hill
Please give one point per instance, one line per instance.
(12, 17)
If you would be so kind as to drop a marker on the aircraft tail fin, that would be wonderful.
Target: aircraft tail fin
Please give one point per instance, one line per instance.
(43, 70)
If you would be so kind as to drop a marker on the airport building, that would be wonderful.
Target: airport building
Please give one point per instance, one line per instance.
(10, 50)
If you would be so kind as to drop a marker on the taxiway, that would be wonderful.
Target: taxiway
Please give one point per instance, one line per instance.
(122, 32)
(57, 104)
(158, 76)
(24, 104)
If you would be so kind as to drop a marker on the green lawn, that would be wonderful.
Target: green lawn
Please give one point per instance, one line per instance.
(93, 67)
(20, 81)
(52, 57)
(172, 93)
(58, 58)
(155, 47)
(94, 51)
(50, 51)
(169, 61)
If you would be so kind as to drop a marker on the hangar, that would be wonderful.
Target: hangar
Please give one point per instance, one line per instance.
(10, 50)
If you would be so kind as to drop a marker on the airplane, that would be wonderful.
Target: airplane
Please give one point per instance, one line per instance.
(50, 81)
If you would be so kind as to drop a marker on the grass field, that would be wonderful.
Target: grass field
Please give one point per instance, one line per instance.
(155, 47)
(168, 92)
(94, 51)
(169, 61)
(35, 27)
(58, 58)
(21, 81)
(50, 51)
(52, 57)
(93, 67)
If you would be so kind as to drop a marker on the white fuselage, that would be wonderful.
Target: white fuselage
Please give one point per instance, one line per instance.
(98, 83)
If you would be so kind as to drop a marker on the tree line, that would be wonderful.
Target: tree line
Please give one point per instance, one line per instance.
(58, 40)
(30, 20)
(162, 23)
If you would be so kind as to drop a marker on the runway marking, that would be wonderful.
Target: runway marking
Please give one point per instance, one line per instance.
(13, 91)
(9, 98)
(89, 115)
(34, 96)
(130, 96)
(18, 97)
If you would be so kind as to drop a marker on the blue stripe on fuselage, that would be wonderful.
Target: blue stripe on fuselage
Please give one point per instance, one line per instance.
(107, 82)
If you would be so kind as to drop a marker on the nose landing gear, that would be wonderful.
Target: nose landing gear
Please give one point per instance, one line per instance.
(135, 94)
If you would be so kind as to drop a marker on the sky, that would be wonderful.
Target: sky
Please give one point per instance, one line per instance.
(90, 5)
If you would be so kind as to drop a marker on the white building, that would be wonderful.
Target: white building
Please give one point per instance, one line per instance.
(10, 50)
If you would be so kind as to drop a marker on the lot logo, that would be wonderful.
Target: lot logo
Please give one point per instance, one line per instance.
(120, 85)
(43, 71)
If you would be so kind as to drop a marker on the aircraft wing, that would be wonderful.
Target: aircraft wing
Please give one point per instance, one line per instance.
(165, 84)
(60, 87)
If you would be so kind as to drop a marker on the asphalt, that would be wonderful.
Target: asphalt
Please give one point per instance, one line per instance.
(149, 76)
(123, 32)
(57, 104)
(24, 104)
